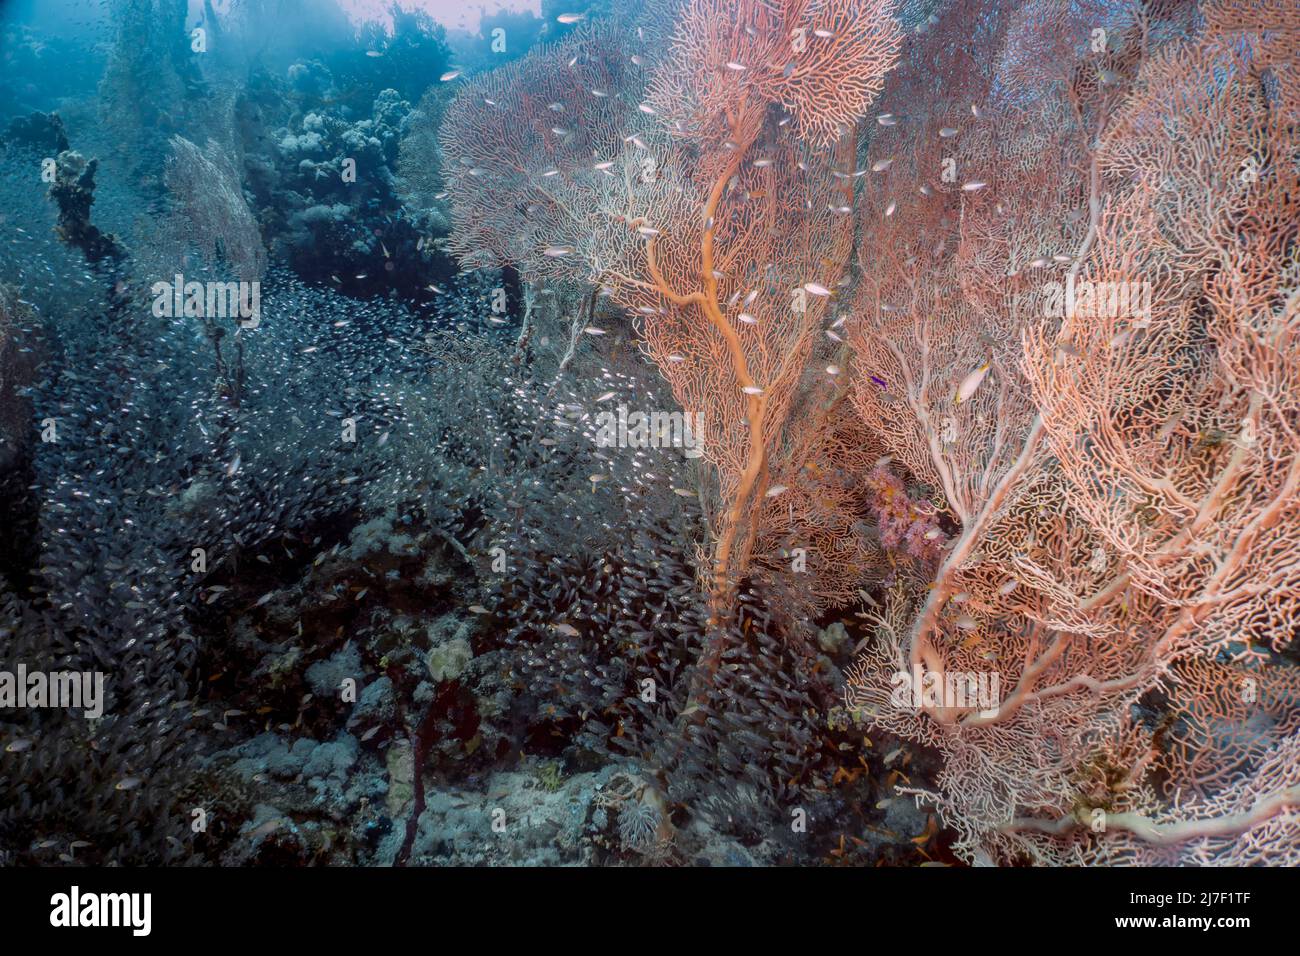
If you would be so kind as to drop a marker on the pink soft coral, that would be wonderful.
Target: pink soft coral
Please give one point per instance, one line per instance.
(906, 524)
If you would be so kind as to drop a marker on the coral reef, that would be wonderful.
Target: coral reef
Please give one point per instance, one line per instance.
(692, 432)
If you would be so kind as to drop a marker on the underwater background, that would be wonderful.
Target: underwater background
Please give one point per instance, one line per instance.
(649, 432)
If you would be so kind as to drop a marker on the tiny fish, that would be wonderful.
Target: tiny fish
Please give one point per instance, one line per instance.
(567, 18)
(775, 490)
(973, 185)
(889, 210)
(816, 288)
(947, 132)
(566, 629)
(880, 165)
(479, 609)
(886, 119)
(733, 65)
(449, 76)
(752, 390)
(970, 383)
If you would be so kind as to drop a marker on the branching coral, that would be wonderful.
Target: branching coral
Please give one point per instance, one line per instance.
(213, 215)
(1127, 504)
(700, 210)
